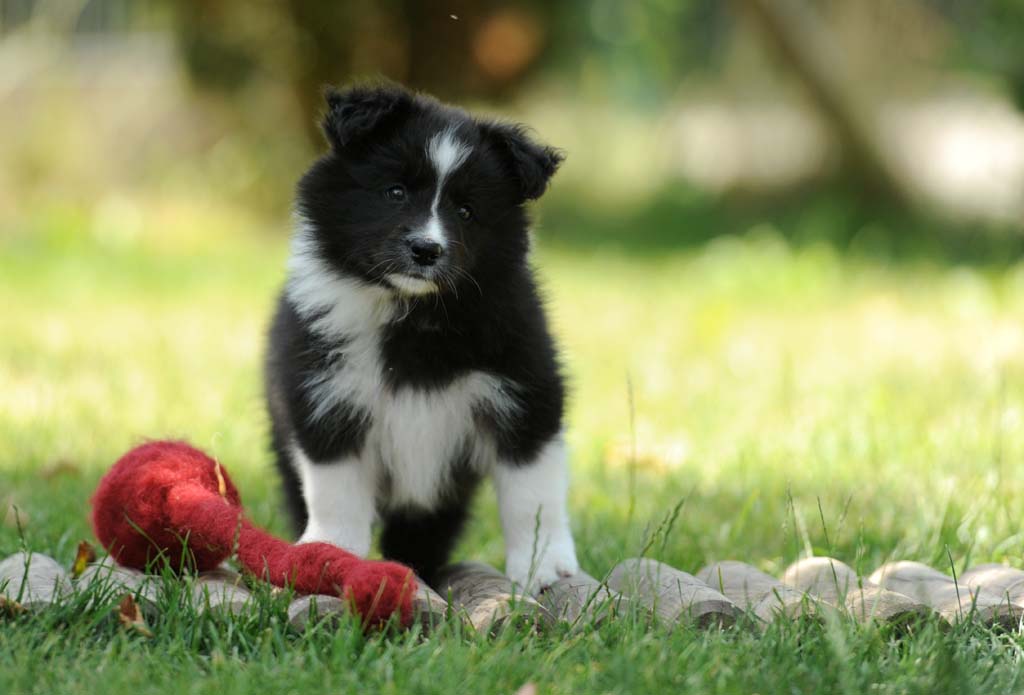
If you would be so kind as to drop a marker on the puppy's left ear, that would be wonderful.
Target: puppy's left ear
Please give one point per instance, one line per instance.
(355, 112)
(532, 163)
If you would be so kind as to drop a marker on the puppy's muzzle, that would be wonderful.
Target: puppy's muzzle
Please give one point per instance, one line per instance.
(424, 252)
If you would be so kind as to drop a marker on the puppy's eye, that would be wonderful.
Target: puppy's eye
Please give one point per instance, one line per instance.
(464, 212)
(395, 193)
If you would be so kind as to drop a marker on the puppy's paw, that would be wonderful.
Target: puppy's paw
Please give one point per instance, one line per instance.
(535, 573)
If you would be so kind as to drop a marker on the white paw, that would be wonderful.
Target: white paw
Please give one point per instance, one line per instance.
(536, 571)
(311, 536)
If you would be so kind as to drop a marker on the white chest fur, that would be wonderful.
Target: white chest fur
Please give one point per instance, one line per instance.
(417, 435)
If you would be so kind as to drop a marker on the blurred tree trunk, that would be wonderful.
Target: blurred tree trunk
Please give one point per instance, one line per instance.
(802, 42)
(483, 48)
(320, 53)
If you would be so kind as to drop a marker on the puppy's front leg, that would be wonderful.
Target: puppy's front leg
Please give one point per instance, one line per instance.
(339, 498)
(532, 501)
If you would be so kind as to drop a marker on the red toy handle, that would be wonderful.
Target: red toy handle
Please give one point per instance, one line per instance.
(169, 500)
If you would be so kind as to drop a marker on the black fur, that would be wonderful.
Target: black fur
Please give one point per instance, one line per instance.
(352, 115)
(487, 317)
(423, 539)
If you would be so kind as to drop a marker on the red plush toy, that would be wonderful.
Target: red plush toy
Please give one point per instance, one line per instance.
(170, 499)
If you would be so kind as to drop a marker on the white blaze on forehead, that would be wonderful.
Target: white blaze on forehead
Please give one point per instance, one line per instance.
(447, 153)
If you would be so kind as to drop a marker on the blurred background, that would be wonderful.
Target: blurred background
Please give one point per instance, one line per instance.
(783, 255)
(708, 115)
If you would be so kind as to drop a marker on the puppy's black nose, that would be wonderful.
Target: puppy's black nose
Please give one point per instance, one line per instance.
(425, 251)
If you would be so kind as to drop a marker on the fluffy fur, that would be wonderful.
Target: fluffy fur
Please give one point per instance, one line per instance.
(409, 356)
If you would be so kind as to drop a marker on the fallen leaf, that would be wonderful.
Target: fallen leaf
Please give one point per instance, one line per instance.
(13, 515)
(222, 486)
(131, 617)
(58, 467)
(10, 607)
(85, 555)
(649, 453)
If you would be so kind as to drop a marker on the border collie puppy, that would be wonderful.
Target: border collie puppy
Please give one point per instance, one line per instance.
(410, 356)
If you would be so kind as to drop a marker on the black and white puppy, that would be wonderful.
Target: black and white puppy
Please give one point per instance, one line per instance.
(410, 356)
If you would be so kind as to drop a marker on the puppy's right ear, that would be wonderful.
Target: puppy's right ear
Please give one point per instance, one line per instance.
(532, 163)
(355, 112)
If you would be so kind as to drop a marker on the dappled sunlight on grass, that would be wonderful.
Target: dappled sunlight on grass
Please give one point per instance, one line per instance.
(766, 380)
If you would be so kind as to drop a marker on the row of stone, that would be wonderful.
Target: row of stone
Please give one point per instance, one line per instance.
(898, 593)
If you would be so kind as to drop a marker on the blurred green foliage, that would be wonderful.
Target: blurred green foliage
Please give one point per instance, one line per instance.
(991, 34)
(641, 50)
(679, 216)
(102, 140)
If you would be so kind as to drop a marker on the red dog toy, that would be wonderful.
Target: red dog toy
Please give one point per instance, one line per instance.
(170, 499)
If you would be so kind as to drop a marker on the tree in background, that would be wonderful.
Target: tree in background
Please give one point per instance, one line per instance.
(481, 48)
(259, 66)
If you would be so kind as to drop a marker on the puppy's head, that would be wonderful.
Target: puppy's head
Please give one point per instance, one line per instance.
(417, 196)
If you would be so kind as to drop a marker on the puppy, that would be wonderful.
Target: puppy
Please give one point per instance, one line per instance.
(410, 356)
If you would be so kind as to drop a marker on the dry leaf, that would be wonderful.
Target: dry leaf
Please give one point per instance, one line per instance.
(527, 688)
(222, 487)
(13, 515)
(58, 467)
(10, 607)
(85, 555)
(131, 617)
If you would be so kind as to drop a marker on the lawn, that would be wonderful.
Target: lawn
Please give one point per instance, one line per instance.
(788, 398)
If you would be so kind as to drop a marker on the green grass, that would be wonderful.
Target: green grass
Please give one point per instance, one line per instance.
(754, 381)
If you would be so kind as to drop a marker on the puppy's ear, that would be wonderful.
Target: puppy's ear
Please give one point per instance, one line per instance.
(533, 164)
(355, 112)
